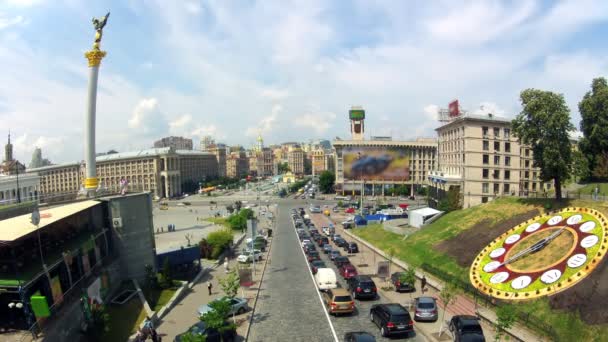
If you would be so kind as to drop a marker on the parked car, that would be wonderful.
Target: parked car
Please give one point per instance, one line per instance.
(237, 306)
(322, 241)
(392, 319)
(399, 285)
(326, 279)
(327, 248)
(335, 209)
(350, 210)
(335, 236)
(313, 255)
(466, 328)
(305, 242)
(316, 264)
(212, 335)
(338, 301)
(341, 260)
(352, 248)
(359, 336)
(425, 309)
(249, 256)
(362, 286)
(348, 271)
(333, 254)
(341, 242)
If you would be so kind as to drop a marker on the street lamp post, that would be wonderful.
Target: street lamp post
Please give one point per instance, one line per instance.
(18, 188)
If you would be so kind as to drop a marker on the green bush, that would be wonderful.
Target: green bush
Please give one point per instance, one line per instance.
(219, 241)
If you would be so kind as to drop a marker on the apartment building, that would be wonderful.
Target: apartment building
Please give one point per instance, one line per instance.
(177, 143)
(220, 154)
(237, 165)
(479, 156)
(295, 160)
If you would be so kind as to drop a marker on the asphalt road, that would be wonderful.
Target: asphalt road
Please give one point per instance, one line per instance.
(288, 308)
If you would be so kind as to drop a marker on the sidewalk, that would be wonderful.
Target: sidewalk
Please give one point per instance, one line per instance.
(366, 260)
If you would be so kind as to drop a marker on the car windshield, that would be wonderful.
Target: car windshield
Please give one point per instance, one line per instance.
(426, 305)
(343, 299)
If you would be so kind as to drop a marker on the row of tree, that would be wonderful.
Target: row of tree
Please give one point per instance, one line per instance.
(544, 125)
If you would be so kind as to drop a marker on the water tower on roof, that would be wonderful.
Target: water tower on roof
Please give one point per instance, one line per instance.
(356, 115)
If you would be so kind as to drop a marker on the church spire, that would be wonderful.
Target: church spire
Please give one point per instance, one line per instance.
(8, 149)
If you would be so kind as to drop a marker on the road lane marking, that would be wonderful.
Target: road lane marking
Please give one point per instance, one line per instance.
(331, 325)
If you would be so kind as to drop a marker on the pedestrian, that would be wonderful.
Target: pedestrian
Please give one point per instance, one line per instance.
(226, 265)
(209, 287)
(423, 284)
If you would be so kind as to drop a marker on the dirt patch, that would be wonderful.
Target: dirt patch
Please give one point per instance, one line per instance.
(465, 246)
(589, 297)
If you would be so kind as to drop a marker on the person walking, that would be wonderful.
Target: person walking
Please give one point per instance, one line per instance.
(226, 265)
(423, 284)
(209, 287)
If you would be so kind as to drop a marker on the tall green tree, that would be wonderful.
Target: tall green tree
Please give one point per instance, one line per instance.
(544, 125)
(594, 122)
(580, 166)
(326, 181)
(283, 168)
(230, 284)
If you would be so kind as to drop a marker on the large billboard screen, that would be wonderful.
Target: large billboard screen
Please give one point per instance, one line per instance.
(376, 163)
(356, 114)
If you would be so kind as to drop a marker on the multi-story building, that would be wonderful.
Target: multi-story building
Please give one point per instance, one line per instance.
(237, 165)
(15, 188)
(220, 154)
(207, 142)
(264, 163)
(177, 143)
(10, 166)
(295, 160)
(479, 156)
(162, 171)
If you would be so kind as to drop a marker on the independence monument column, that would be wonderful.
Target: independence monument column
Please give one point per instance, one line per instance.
(94, 56)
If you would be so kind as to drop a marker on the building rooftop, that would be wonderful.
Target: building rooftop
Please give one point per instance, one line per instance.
(417, 142)
(476, 117)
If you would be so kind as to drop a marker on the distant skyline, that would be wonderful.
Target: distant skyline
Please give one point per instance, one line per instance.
(288, 69)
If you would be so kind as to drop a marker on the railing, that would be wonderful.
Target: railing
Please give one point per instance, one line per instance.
(526, 318)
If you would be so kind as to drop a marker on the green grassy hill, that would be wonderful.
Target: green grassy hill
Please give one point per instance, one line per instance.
(423, 247)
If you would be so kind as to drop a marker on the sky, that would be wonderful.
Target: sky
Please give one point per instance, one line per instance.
(288, 70)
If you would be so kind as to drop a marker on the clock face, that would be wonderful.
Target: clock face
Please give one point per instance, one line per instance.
(542, 256)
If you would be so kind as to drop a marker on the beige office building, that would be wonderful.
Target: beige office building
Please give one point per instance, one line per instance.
(177, 143)
(295, 160)
(220, 154)
(479, 156)
(162, 171)
(237, 165)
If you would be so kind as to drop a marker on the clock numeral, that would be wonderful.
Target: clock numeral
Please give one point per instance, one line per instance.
(512, 239)
(533, 227)
(589, 241)
(551, 276)
(521, 282)
(577, 260)
(587, 226)
(497, 252)
(554, 220)
(574, 219)
(491, 266)
(499, 277)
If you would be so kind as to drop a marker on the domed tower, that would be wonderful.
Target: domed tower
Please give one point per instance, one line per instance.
(260, 143)
(356, 115)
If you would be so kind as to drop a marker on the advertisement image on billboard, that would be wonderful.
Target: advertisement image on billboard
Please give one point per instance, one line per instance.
(376, 163)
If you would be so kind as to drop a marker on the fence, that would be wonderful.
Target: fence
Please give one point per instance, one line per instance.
(526, 318)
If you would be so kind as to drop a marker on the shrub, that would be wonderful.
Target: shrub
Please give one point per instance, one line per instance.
(205, 248)
(219, 241)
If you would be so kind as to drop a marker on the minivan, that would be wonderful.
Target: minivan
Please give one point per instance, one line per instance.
(326, 279)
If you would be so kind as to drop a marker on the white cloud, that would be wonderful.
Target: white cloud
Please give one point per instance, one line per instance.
(488, 108)
(203, 130)
(193, 7)
(319, 122)
(8, 22)
(147, 120)
(179, 124)
(266, 124)
(23, 3)
(274, 94)
(432, 111)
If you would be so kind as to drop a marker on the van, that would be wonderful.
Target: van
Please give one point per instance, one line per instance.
(326, 279)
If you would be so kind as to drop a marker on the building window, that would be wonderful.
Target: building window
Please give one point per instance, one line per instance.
(496, 132)
(496, 174)
(496, 188)
(486, 145)
(533, 186)
(485, 187)
(485, 173)
(496, 146)
(507, 133)
(507, 174)
(507, 161)
(527, 163)
(527, 153)
(507, 147)
(484, 131)
(527, 174)
(496, 160)
(506, 188)
(534, 175)
(486, 159)
(484, 200)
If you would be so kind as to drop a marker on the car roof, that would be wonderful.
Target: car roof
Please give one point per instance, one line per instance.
(340, 292)
(395, 309)
(468, 319)
(426, 300)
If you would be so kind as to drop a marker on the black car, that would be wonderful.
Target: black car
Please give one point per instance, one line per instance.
(392, 319)
(466, 328)
(341, 260)
(359, 336)
(313, 255)
(323, 240)
(316, 264)
(213, 335)
(362, 286)
(401, 286)
(341, 242)
(309, 248)
(351, 247)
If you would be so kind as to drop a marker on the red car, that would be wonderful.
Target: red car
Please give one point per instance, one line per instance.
(348, 271)
(350, 210)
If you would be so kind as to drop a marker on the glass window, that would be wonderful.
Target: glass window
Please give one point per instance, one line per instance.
(496, 146)
(507, 133)
(485, 188)
(484, 131)
(527, 163)
(484, 200)
(496, 160)
(507, 147)
(507, 161)
(496, 188)
(527, 174)
(486, 159)
(533, 186)
(485, 173)
(506, 188)
(486, 145)
(527, 152)
(496, 132)
(507, 174)
(496, 174)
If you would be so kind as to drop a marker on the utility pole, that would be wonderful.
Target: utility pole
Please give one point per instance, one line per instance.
(18, 188)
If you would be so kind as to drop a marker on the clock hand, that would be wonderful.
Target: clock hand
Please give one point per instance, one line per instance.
(534, 248)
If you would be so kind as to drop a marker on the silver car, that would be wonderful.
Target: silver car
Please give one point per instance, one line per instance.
(237, 306)
(425, 309)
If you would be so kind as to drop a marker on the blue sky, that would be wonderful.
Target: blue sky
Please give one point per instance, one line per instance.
(288, 69)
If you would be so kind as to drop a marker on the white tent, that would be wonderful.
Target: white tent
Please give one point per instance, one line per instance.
(419, 216)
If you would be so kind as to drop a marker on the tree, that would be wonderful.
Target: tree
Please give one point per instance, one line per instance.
(282, 193)
(454, 198)
(230, 284)
(594, 122)
(229, 208)
(216, 317)
(408, 277)
(326, 181)
(283, 168)
(238, 205)
(506, 315)
(237, 222)
(192, 337)
(580, 166)
(601, 166)
(246, 213)
(448, 295)
(544, 124)
(99, 323)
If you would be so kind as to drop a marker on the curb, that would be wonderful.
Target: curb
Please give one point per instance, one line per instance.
(255, 302)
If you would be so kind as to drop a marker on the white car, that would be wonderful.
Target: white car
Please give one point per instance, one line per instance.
(305, 242)
(249, 257)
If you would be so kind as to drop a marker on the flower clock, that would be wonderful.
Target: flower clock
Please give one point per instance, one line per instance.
(542, 256)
